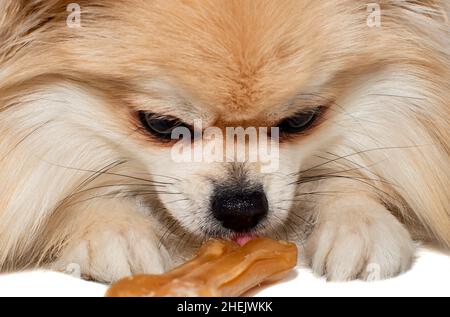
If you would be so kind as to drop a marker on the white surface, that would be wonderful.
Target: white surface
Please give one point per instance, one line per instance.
(430, 276)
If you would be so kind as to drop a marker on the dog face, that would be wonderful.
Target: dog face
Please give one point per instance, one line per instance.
(252, 66)
(302, 67)
(229, 64)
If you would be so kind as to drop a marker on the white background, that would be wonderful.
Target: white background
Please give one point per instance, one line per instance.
(430, 276)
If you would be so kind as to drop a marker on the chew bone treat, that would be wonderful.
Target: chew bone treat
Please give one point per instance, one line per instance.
(221, 268)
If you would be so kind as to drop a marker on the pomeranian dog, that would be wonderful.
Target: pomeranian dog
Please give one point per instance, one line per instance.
(91, 93)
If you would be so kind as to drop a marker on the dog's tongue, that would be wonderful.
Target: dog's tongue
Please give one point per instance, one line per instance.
(242, 239)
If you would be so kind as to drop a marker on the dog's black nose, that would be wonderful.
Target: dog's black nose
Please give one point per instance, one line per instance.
(239, 211)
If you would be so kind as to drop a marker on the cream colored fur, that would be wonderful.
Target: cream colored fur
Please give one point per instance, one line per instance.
(81, 184)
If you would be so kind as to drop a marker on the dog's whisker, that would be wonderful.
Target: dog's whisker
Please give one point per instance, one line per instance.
(87, 181)
(363, 180)
(354, 154)
(95, 172)
(119, 194)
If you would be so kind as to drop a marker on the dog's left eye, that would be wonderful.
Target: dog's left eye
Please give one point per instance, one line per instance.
(159, 126)
(300, 122)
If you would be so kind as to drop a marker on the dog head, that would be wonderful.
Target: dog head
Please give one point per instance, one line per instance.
(139, 71)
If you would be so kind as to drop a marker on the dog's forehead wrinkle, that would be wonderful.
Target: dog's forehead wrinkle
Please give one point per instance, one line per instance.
(164, 94)
(166, 98)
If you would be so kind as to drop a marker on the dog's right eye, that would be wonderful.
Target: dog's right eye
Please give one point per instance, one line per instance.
(160, 126)
(300, 122)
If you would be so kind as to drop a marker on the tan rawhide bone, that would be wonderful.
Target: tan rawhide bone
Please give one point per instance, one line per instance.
(221, 268)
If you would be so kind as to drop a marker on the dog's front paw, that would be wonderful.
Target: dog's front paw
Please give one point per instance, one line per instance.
(351, 243)
(108, 255)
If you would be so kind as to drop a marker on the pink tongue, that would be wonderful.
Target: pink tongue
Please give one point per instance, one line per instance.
(243, 239)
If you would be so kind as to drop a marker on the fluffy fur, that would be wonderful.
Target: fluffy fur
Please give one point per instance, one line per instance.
(82, 184)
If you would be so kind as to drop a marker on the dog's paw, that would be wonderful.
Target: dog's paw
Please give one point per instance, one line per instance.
(109, 255)
(352, 244)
